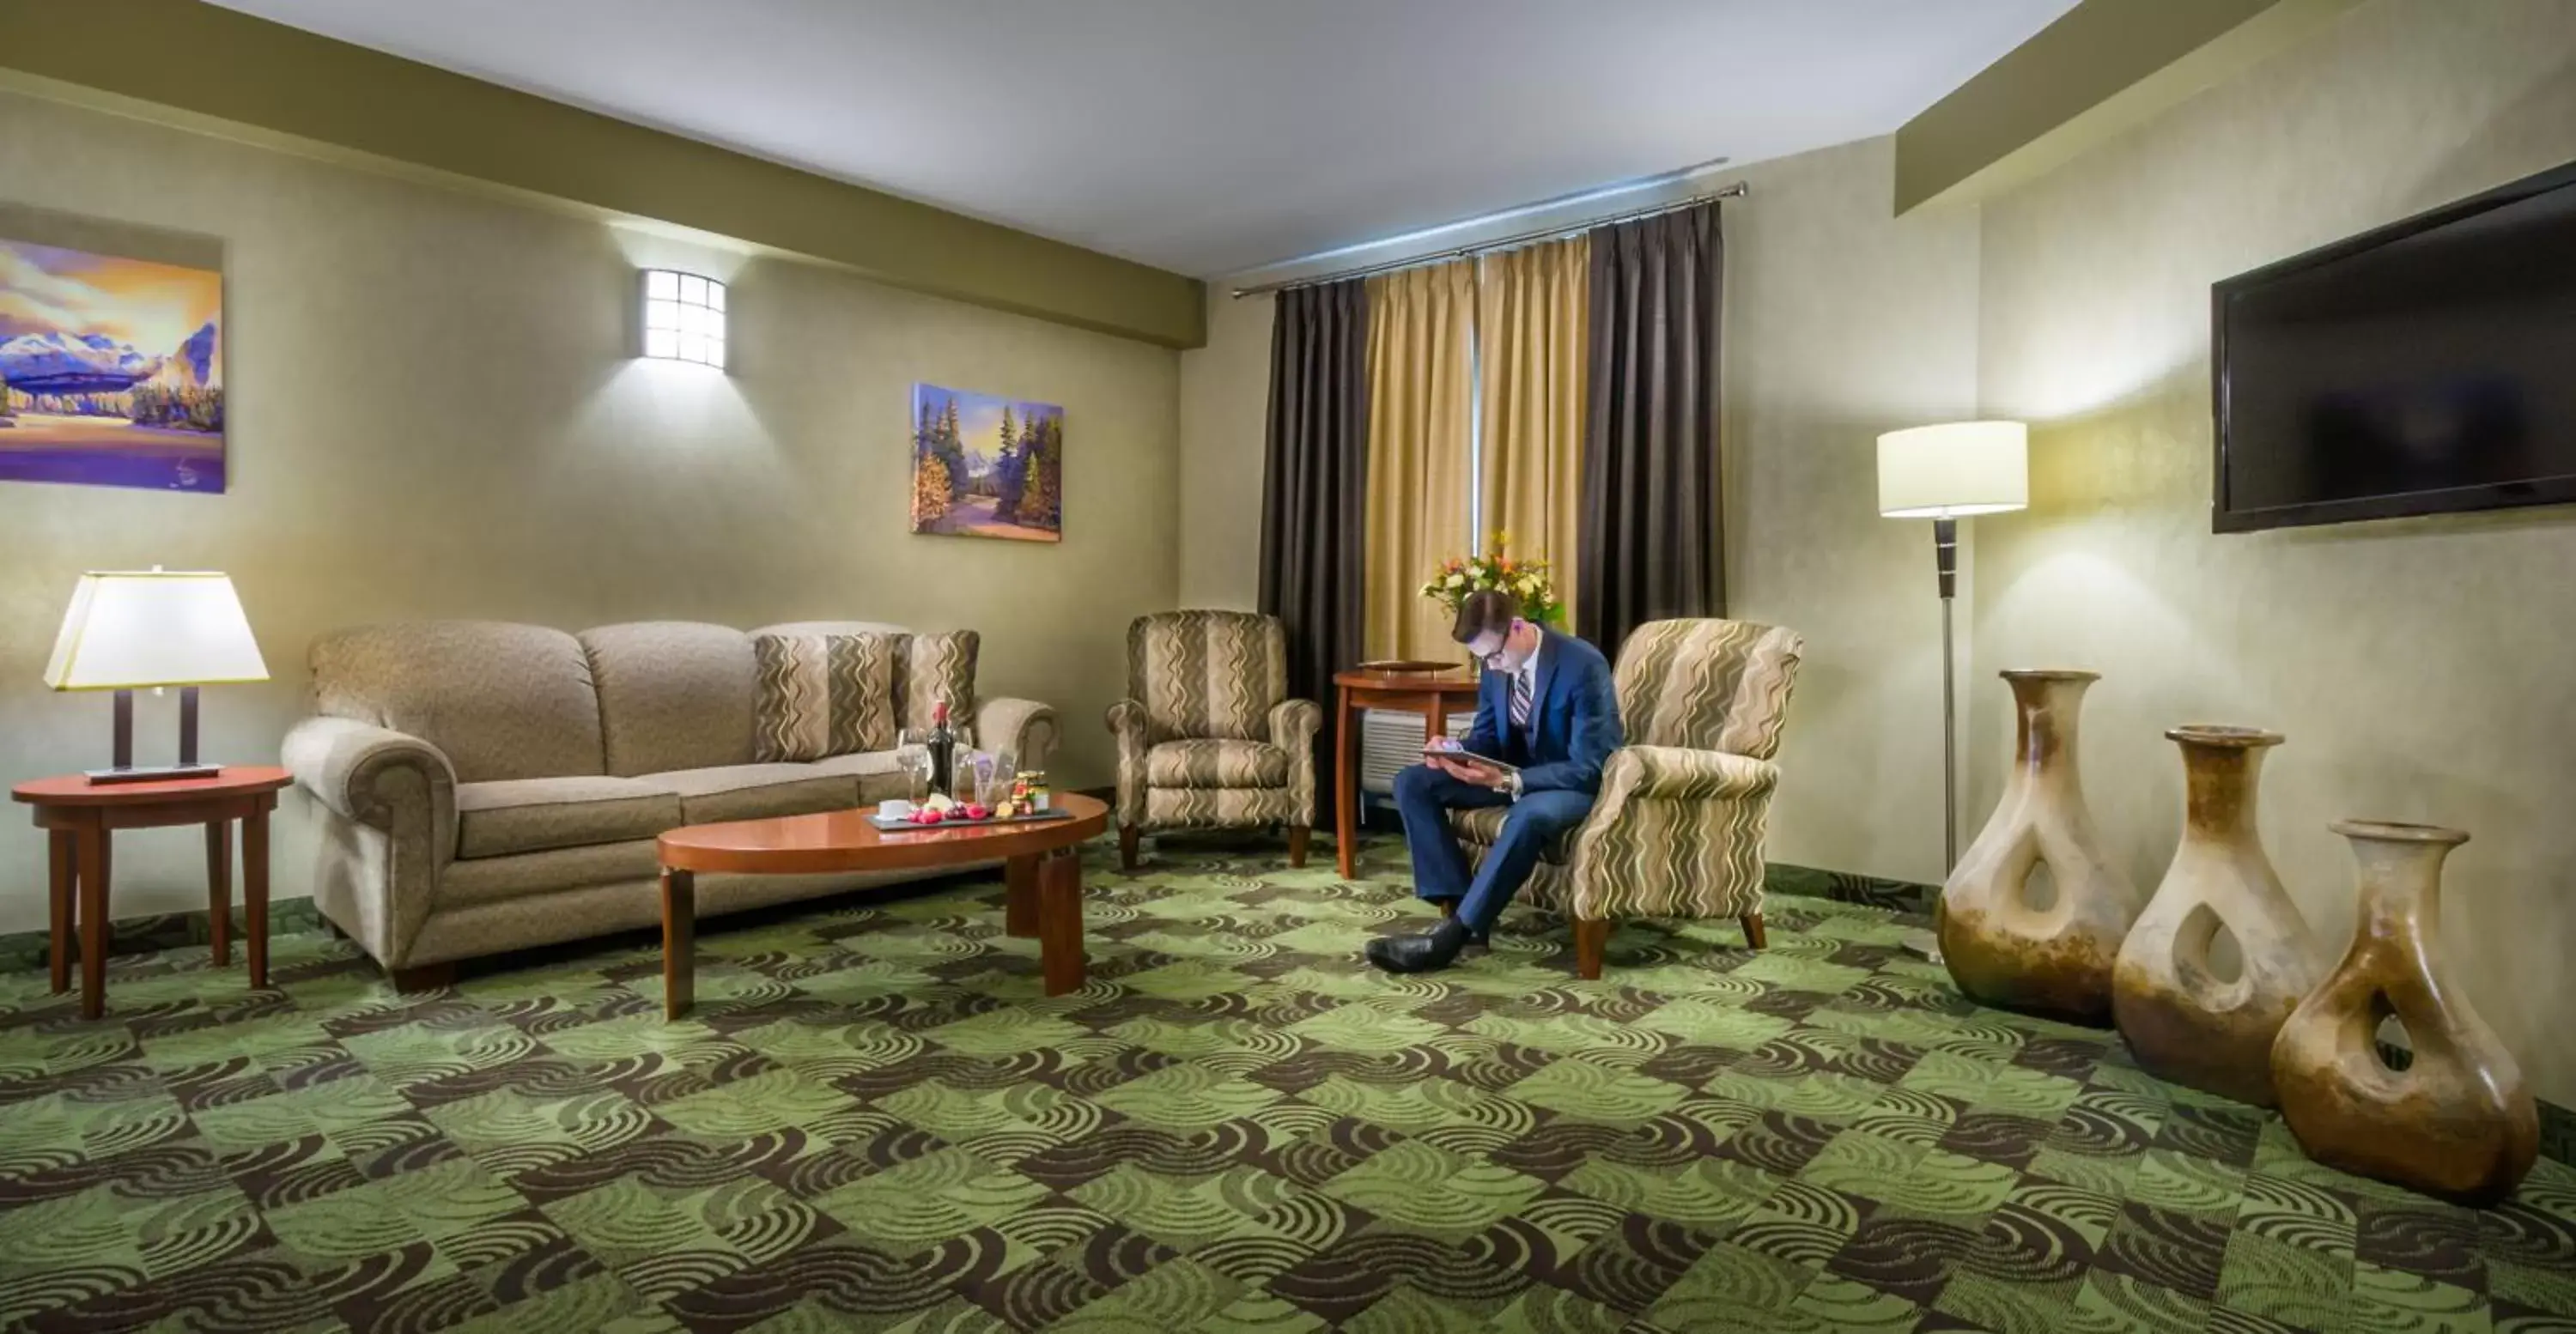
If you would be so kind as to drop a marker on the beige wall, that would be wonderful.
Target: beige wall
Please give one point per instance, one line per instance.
(2419, 667)
(434, 413)
(1225, 423)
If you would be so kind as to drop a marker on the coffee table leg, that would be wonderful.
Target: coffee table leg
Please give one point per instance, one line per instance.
(255, 896)
(1060, 920)
(219, 890)
(679, 941)
(58, 850)
(1020, 912)
(92, 861)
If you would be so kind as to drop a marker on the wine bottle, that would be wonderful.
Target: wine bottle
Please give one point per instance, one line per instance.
(943, 748)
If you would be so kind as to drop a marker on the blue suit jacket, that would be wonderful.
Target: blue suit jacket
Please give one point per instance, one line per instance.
(1574, 718)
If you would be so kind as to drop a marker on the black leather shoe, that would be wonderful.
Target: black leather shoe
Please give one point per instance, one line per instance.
(1419, 954)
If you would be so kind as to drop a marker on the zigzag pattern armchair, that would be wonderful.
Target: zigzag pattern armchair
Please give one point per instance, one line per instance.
(1678, 829)
(1207, 738)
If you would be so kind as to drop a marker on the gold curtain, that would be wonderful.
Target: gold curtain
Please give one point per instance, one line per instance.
(1420, 343)
(1533, 303)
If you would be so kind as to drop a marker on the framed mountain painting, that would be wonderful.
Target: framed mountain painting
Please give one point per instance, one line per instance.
(984, 466)
(111, 370)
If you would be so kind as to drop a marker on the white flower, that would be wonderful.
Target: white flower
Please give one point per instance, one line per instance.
(1457, 581)
(1528, 584)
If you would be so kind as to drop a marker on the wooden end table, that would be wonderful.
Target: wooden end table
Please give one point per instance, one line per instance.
(1042, 862)
(79, 817)
(1434, 695)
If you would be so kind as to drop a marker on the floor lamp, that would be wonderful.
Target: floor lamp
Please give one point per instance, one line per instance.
(1947, 473)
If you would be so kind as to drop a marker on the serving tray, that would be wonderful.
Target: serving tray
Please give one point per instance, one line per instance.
(898, 824)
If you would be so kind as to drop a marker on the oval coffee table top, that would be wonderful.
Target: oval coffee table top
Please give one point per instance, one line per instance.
(835, 841)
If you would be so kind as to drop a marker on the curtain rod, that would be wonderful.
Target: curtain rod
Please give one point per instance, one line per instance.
(1734, 191)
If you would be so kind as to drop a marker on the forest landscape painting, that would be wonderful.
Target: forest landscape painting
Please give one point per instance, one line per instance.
(986, 467)
(111, 370)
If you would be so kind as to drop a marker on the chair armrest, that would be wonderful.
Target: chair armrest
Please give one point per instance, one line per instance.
(1024, 727)
(1128, 721)
(1673, 773)
(368, 774)
(1293, 725)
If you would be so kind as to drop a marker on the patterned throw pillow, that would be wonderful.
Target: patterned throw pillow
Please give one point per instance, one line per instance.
(942, 666)
(823, 695)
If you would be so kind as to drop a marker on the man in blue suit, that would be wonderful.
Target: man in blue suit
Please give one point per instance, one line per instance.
(1547, 705)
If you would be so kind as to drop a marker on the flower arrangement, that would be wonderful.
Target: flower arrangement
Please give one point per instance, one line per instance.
(1526, 578)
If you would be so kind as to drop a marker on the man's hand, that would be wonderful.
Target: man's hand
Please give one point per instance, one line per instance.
(1467, 773)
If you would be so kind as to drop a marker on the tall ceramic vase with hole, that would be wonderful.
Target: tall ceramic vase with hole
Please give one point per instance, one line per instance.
(2185, 1020)
(2458, 1121)
(2048, 953)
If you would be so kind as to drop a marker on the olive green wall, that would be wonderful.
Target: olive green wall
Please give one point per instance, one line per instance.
(2419, 667)
(434, 412)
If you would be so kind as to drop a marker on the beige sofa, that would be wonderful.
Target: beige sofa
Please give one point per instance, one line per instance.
(488, 786)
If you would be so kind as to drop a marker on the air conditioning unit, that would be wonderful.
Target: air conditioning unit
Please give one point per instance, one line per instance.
(1392, 739)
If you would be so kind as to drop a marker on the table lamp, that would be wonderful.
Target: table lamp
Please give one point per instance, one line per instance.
(132, 629)
(1946, 473)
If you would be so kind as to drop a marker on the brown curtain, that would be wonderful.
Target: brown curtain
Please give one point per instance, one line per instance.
(1649, 544)
(1532, 365)
(1313, 489)
(1420, 344)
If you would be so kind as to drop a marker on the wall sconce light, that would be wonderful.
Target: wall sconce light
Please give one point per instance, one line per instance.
(684, 318)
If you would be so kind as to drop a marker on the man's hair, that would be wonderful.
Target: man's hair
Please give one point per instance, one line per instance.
(1486, 611)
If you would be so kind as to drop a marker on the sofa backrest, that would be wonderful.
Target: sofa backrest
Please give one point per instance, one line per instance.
(500, 700)
(1708, 685)
(672, 695)
(1207, 674)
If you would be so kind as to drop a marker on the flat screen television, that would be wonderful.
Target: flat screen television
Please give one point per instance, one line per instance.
(2424, 367)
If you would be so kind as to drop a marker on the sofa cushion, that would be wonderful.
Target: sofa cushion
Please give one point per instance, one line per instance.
(880, 779)
(499, 700)
(523, 874)
(672, 695)
(1216, 764)
(939, 667)
(533, 814)
(756, 791)
(823, 695)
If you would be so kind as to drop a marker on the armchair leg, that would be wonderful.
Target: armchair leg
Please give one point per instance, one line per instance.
(1753, 930)
(1591, 940)
(426, 977)
(1297, 835)
(1126, 847)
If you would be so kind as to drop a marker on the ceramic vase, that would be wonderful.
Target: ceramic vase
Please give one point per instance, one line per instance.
(2051, 955)
(2185, 1020)
(2457, 1122)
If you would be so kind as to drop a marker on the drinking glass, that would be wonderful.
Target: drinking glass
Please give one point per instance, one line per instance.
(912, 760)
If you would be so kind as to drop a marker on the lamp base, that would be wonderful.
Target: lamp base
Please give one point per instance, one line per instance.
(166, 773)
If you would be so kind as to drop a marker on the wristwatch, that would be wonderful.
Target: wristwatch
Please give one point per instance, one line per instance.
(1513, 781)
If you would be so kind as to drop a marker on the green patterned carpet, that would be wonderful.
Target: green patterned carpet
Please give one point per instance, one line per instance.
(876, 1121)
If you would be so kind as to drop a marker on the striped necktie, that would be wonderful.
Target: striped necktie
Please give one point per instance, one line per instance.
(1520, 701)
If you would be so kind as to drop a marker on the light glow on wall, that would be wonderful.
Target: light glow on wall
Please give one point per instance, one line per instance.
(684, 318)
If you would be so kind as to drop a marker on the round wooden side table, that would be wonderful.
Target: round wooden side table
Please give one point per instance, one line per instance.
(1433, 694)
(79, 817)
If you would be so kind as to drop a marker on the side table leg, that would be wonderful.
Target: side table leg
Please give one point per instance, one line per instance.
(219, 890)
(58, 847)
(679, 941)
(92, 859)
(1020, 911)
(1345, 781)
(1060, 921)
(255, 896)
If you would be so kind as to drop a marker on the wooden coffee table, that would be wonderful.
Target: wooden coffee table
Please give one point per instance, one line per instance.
(1042, 860)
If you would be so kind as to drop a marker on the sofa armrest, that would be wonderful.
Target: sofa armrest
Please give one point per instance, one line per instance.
(394, 797)
(1293, 725)
(1023, 727)
(1128, 721)
(1675, 833)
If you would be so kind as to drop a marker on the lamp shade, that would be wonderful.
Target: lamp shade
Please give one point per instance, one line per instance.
(1954, 470)
(128, 629)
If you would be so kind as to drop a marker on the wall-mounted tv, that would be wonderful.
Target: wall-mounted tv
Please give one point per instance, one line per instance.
(2424, 367)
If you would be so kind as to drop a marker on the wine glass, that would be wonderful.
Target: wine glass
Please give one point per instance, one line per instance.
(912, 760)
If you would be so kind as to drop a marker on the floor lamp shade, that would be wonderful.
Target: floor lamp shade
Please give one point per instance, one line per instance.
(130, 630)
(1954, 470)
(127, 630)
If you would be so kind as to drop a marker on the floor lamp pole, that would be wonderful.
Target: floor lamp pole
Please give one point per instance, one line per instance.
(1945, 555)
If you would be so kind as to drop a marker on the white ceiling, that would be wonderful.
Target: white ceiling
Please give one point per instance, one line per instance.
(1212, 136)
